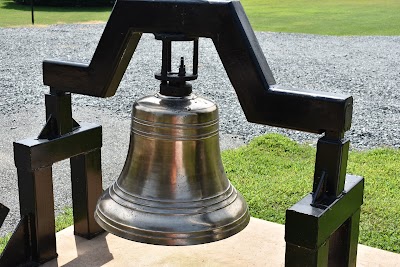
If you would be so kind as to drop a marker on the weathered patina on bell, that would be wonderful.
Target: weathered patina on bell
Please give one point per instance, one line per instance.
(173, 189)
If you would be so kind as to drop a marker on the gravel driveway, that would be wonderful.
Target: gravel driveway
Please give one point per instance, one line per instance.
(368, 68)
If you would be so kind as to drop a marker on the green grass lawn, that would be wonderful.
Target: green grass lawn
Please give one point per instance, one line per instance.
(12, 14)
(274, 172)
(332, 17)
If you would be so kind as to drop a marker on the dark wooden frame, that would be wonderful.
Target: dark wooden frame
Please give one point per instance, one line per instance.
(311, 239)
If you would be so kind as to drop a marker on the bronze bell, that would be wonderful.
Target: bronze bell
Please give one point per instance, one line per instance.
(173, 189)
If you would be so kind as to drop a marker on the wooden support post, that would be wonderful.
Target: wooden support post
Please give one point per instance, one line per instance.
(86, 189)
(317, 236)
(37, 202)
(34, 159)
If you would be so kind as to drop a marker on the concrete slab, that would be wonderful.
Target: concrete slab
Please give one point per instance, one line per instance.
(260, 244)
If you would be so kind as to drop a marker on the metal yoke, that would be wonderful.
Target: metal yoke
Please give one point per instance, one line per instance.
(313, 238)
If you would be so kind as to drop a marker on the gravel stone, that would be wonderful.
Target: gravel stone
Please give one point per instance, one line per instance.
(368, 68)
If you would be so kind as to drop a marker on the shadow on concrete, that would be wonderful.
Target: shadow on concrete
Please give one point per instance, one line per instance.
(89, 257)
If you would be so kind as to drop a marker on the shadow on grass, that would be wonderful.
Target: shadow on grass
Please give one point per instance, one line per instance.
(9, 4)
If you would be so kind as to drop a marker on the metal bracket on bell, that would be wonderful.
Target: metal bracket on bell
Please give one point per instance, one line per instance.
(175, 83)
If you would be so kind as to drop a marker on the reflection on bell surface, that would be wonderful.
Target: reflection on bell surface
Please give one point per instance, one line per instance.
(173, 189)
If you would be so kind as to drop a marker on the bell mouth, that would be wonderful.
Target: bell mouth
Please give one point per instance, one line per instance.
(180, 224)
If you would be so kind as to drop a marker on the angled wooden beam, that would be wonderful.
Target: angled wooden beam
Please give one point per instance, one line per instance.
(226, 23)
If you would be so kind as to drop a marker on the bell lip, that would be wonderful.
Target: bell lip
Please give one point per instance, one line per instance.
(177, 239)
(180, 229)
(192, 207)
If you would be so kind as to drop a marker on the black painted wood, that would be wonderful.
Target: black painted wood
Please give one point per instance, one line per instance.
(18, 249)
(331, 162)
(317, 235)
(226, 23)
(37, 203)
(3, 213)
(86, 190)
(34, 153)
(58, 115)
(34, 159)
